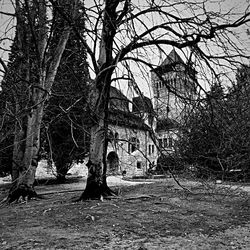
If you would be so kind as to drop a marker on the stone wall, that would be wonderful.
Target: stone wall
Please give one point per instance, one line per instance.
(134, 163)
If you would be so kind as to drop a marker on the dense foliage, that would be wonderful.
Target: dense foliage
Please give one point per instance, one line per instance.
(216, 135)
(65, 134)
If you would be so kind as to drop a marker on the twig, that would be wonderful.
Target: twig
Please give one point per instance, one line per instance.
(178, 183)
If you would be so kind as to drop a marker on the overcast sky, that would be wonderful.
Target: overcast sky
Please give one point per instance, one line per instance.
(6, 23)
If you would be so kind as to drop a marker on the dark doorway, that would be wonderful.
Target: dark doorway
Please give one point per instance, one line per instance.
(113, 163)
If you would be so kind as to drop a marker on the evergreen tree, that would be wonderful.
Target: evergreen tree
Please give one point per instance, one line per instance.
(66, 117)
(217, 134)
(27, 84)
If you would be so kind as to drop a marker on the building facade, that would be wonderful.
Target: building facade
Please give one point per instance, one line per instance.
(141, 130)
(174, 88)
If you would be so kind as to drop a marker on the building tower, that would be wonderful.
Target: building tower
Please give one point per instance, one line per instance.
(173, 84)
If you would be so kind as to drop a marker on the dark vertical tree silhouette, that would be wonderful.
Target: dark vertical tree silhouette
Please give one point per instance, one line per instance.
(66, 134)
(30, 76)
(216, 137)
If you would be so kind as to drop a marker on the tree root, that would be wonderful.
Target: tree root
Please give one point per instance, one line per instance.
(21, 194)
(96, 193)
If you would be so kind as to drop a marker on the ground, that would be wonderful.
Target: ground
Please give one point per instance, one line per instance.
(154, 215)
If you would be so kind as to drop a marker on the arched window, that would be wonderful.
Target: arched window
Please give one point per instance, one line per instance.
(116, 136)
(170, 142)
(133, 144)
(113, 162)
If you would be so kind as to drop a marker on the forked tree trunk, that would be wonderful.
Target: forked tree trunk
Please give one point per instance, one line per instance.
(27, 140)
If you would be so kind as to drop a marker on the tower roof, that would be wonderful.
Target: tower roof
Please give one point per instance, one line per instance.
(172, 58)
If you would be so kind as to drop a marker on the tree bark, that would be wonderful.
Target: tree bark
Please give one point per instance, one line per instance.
(96, 182)
(26, 157)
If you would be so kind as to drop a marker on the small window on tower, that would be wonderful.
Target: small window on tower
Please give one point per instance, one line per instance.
(160, 142)
(168, 109)
(116, 136)
(153, 149)
(133, 144)
(139, 165)
(170, 141)
(165, 142)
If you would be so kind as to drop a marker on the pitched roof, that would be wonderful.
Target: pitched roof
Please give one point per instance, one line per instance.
(114, 92)
(142, 104)
(118, 100)
(166, 124)
(172, 58)
(172, 63)
(126, 119)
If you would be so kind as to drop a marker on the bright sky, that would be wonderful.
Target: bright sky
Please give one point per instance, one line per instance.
(236, 6)
(6, 31)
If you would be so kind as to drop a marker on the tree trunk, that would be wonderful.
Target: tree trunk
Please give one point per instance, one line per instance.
(96, 182)
(24, 170)
(18, 152)
(62, 167)
(23, 185)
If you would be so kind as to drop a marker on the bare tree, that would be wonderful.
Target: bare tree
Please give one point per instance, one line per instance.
(31, 75)
(124, 32)
(127, 32)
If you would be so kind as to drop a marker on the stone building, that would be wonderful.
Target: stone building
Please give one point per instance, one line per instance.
(174, 89)
(131, 149)
(139, 130)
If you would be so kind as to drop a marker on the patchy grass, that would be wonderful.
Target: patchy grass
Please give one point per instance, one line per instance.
(149, 216)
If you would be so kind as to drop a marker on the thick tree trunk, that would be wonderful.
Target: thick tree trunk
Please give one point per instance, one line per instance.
(23, 184)
(18, 151)
(94, 185)
(62, 167)
(24, 176)
(96, 182)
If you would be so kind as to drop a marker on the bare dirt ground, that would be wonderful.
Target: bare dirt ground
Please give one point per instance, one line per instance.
(158, 215)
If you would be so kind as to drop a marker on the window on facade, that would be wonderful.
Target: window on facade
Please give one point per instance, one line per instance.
(151, 149)
(116, 136)
(168, 109)
(133, 144)
(170, 142)
(139, 165)
(165, 142)
(175, 82)
(160, 142)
